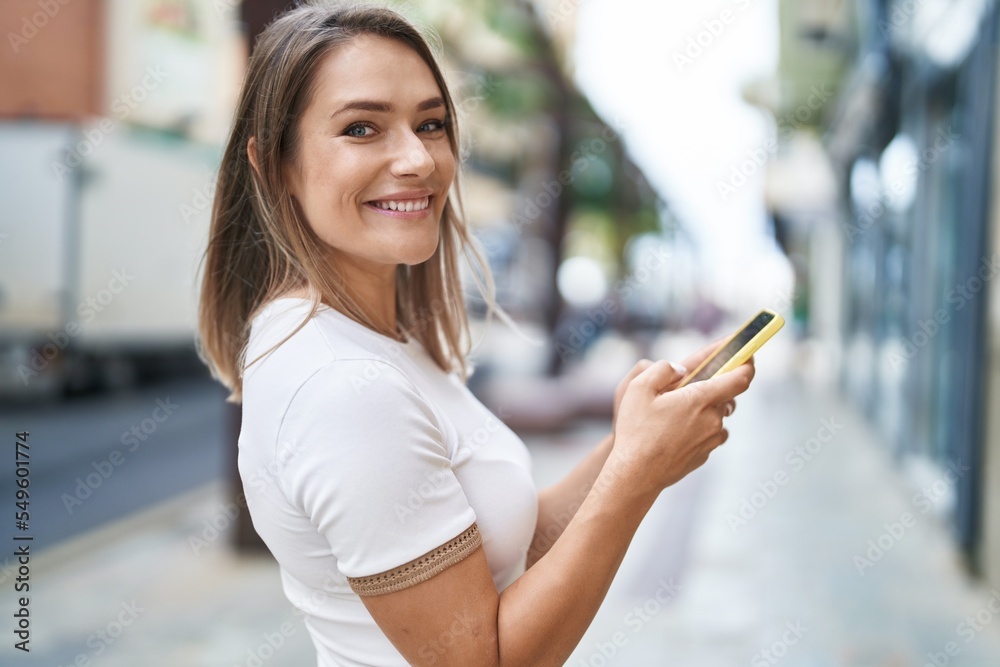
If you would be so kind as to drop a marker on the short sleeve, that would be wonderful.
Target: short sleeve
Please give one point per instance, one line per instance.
(370, 469)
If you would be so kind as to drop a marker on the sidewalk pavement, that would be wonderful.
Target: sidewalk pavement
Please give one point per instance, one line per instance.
(697, 588)
(824, 557)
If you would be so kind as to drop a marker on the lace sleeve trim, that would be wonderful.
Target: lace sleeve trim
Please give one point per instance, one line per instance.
(419, 569)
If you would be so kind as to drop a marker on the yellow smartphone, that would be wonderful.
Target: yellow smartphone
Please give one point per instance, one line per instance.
(739, 347)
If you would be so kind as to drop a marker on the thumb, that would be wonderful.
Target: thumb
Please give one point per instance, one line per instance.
(730, 384)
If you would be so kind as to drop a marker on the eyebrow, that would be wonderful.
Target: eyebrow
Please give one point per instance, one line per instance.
(385, 107)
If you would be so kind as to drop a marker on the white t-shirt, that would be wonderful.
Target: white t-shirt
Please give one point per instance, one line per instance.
(358, 455)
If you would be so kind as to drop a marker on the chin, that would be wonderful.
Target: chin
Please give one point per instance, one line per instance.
(414, 255)
(422, 248)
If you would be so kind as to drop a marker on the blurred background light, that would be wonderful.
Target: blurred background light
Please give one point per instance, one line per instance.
(582, 282)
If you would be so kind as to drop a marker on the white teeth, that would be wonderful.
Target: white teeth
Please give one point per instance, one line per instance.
(407, 206)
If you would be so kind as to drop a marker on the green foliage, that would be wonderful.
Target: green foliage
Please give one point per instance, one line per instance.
(519, 94)
(511, 21)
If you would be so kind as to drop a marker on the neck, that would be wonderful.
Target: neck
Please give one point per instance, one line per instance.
(374, 290)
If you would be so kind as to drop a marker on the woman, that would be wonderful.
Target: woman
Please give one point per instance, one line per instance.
(401, 512)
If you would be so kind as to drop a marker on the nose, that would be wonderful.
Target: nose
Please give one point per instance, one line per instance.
(411, 157)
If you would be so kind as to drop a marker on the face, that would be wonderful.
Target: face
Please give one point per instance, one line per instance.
(374, 165)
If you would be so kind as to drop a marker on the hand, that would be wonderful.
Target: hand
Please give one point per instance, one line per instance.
(665, 433)
(639, 367)
(694, 360)
(689, 363)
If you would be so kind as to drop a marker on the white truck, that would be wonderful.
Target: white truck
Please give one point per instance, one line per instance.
(101, 236)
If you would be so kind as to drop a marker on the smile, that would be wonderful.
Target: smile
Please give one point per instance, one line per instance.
(402, 206)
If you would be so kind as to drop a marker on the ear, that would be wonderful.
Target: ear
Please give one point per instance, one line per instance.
(252, 154)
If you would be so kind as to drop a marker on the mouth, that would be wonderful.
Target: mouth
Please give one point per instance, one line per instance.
(402, 207)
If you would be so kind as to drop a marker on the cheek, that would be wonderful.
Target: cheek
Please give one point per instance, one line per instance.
(337, 177)
(444, 162)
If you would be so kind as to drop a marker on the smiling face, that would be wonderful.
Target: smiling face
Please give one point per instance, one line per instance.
(374, 164)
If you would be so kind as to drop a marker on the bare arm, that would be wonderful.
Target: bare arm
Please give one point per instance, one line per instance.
(457, 617)
(558, 503)
(543, 614)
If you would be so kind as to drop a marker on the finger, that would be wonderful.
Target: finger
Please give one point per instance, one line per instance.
(711, 444)
(659, 375)
(693, 360)
(729, 385)
(622, 387)
(639, 367)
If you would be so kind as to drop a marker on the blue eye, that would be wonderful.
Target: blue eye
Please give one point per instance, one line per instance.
(432, 126)
(358, 130)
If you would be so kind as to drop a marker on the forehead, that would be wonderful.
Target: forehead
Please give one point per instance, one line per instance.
(374, 68)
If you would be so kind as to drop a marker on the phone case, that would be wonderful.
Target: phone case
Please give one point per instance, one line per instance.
(748, 348)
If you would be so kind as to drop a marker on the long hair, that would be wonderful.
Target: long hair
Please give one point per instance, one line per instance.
(260, 246)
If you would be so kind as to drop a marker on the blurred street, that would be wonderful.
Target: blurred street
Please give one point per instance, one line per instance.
(691, 592)
(95, 458)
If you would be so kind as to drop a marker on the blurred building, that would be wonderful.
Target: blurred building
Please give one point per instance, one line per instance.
(112, 122)
(112, 116)
(902, 254)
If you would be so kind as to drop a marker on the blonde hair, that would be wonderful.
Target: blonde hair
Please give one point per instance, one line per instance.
(259, 245)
